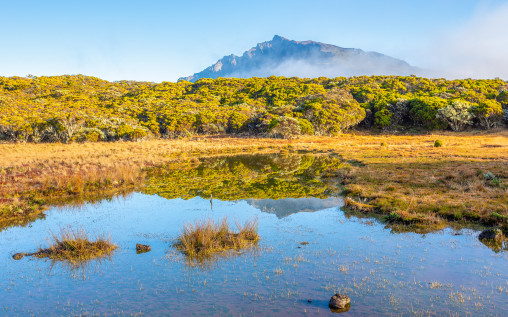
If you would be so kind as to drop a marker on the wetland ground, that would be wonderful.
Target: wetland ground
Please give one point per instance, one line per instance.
(406, 244)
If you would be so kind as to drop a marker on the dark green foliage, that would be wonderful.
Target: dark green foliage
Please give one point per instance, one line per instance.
(438, 143)
(424, 112)
(306, 127)
(503, 97)
(383, 118)
(489, 113)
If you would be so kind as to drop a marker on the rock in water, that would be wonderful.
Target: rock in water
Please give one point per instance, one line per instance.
(142, 248)
(492, 235)
(339, 302)
(18, 256)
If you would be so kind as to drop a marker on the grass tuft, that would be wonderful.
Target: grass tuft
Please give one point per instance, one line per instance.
(75, 247)
(206, 237)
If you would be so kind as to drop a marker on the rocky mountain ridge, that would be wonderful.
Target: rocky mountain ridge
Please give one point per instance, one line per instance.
(284, 57)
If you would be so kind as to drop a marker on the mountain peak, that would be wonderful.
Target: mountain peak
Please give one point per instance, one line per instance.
(279, 38)
(285, 57)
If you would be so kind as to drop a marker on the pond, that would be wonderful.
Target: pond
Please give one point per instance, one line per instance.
(309, 249)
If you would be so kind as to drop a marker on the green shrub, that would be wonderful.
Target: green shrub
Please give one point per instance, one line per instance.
(331, 113)
(237, 121)
(423, 112)
(503, 97)
(285, 128)
(489, 113)
(127, 132)
(458, 115)
(306, 127)
(89, 135)
(124, 131)
(382, 118)
(138, 133)
(438, 143)
(496, 182)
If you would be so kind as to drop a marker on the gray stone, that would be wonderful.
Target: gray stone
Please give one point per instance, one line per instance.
(339, 302)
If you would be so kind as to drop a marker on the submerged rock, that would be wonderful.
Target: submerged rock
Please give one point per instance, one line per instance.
(491, 235)
(339, 303)
(142, 248)
(18, 256)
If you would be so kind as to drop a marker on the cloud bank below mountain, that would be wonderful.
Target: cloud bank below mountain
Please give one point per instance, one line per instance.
(475, 49)
(284, 57)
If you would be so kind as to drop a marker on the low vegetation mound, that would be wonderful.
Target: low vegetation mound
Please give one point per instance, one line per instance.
(204, 238)
(75, 247)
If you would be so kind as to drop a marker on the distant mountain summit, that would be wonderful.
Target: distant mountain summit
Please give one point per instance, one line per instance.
(284, 57)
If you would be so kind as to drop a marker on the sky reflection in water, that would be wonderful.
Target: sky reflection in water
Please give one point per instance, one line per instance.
(384, 273)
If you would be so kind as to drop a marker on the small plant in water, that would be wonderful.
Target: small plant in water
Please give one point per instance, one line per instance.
(75, 247)
(206, 237)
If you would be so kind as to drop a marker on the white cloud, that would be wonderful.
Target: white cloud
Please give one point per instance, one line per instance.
(476, 49)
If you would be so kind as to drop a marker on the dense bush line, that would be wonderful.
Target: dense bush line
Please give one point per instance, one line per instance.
(80, 108)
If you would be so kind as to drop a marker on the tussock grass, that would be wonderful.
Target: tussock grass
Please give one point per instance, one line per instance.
(205, 238)
(75, 247)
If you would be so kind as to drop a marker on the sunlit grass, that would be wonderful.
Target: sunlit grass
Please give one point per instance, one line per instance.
(204, 238)
(75, 247)
(407, 179)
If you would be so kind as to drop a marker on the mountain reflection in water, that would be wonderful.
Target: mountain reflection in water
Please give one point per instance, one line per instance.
(288, 206)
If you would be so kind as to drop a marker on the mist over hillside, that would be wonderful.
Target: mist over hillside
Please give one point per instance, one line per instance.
(284, 57)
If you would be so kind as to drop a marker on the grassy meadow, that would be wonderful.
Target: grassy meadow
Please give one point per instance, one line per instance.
(403, 178)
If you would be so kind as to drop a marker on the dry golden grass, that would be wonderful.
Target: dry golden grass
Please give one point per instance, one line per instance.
(403, 176)
(75, 247)
(206, 237)
(412, 182)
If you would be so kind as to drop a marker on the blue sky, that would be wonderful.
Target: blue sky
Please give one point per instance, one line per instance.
(163, 40)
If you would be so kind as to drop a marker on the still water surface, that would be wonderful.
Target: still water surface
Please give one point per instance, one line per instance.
(384, 273)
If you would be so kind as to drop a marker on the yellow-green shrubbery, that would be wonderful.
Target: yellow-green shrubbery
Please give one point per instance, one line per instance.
(54, 109)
